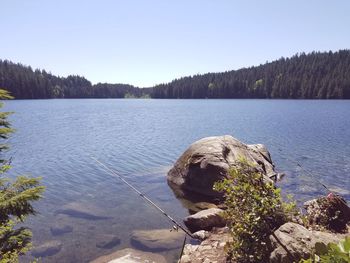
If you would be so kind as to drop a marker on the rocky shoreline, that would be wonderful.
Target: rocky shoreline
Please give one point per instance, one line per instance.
(209, 160)
(192, 178)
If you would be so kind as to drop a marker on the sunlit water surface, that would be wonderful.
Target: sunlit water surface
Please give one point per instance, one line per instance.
(141, 139)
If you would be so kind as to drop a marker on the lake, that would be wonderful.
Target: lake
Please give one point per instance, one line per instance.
(141, 139)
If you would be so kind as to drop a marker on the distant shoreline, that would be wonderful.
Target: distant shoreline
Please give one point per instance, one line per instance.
(316, 75)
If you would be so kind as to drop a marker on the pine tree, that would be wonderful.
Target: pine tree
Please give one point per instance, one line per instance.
(16, 196)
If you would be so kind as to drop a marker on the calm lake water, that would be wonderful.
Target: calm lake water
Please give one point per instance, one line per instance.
(141, 139)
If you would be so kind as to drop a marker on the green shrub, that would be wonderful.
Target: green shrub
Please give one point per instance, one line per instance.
(332, 253)
(254, 210)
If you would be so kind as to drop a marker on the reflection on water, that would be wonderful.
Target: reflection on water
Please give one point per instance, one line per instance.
(95, 214)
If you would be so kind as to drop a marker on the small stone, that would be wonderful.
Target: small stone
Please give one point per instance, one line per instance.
(201, 234)
(205, 247)
(215, 244)
(185, 259)
(222, 244)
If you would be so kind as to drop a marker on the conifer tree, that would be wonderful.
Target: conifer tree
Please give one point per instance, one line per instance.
(16, 197)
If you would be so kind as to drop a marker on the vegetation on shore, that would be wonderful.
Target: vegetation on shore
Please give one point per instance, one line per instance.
(332, 253)
(16, 197)
(317, 75)
(255, 209)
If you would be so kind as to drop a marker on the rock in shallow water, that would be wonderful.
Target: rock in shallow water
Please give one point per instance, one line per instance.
(83, 211)
(129, 255)
(209, 160)
(108, 242)
(60, 229)
(48, 248)
(205, 220)
(157, 239)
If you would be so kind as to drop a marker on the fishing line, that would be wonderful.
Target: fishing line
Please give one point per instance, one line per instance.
(114, 173)
(313, 177)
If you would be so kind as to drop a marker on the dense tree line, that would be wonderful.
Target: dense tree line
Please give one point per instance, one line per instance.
(25, 83)
(317, 75)
(304, 76)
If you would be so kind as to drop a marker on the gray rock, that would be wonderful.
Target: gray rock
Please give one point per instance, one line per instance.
(205, 220)
(299, 241)
(48, 248)
(129, 255)
(83, 211)
(197, 207)
(108, 242)
(210, 250)
(201, 234)
(157, 239)
(209, 160)
(60, 229)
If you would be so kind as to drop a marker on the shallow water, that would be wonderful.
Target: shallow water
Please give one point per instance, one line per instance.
(141, 139)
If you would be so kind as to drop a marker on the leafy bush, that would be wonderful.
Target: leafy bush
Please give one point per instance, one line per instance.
(332, 253)
(254, 210)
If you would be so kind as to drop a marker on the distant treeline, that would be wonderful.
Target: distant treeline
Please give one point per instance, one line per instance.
(317, 75)
(303, 76)
(25, 83)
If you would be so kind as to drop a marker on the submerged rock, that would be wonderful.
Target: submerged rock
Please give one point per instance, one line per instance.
(83, 211)
(205, 220)
(299, 242)
(108, 242)
(60, 229)
(157, 239)
(209, 160)
(129, 255)
(46, 249)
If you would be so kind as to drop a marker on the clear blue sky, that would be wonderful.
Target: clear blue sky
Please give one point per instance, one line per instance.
(145, 42)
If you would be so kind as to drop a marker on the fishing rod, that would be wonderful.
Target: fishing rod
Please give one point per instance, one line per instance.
(114, 173)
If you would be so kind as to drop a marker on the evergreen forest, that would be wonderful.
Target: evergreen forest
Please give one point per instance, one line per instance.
(316, 75)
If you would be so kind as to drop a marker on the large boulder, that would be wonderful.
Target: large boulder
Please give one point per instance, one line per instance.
(295, 242)
(205, 220)
(210, 159)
